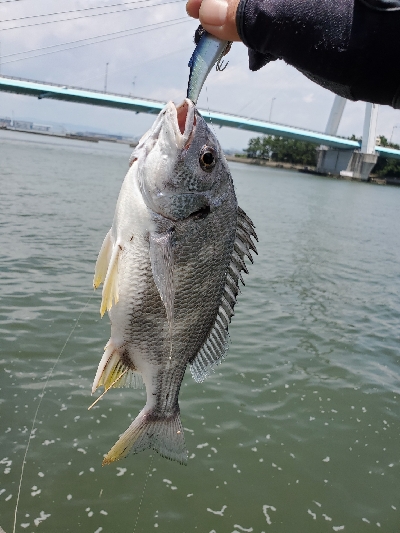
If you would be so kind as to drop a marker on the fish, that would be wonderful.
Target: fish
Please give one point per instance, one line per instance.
(208, 52)
(170, 267)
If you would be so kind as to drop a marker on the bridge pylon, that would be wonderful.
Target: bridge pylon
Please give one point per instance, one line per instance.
(356, 164)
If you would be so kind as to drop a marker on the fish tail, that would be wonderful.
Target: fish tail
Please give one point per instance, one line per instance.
(164, 434)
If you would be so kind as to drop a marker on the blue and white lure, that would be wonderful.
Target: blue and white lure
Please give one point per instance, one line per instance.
(208, 52)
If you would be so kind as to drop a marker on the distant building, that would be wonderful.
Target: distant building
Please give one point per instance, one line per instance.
(5, 122)
(22, 125)
(41, 127)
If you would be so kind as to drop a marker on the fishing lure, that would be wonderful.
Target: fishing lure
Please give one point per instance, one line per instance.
(208, 52)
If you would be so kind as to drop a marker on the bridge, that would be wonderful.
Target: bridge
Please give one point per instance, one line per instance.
(328, 140)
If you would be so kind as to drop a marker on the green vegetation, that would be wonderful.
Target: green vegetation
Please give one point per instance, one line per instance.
(282, 150)
(385, 166)
(294, 152)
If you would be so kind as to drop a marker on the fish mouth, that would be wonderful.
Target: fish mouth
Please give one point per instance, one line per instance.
(186, 121)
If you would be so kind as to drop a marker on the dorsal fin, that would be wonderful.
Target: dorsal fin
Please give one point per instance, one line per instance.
(214, 348)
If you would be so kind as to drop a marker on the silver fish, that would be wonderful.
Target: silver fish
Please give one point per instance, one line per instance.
(209, 51)
(171, 265)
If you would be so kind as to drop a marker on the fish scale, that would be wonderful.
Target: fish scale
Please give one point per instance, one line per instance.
(170, 266)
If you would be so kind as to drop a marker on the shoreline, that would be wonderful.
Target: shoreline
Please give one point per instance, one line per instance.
(73, 136)
(309, 170)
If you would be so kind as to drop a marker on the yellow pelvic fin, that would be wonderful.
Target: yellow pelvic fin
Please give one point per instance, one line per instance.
(103, 261)
(110, 287)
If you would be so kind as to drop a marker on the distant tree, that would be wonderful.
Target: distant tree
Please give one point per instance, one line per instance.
(282, 150)
(386, 166)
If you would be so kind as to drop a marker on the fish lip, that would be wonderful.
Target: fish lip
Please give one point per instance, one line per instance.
(185, 121)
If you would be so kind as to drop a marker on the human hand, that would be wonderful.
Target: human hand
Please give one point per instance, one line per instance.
(218, 17)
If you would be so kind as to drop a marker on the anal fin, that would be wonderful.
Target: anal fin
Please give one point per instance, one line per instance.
(115, 371)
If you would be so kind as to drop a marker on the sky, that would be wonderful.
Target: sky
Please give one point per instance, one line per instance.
(151, 62)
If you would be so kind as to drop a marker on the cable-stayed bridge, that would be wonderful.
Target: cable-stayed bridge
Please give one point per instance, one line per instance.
(329, 139)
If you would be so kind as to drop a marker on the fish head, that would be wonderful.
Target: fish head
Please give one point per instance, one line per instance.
(181, 168)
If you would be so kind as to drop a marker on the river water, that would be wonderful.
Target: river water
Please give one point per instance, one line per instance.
(299, 428)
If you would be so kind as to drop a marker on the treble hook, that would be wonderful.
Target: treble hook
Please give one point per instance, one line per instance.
(220, 66)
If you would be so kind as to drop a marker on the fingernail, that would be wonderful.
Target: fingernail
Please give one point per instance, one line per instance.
(214, 12)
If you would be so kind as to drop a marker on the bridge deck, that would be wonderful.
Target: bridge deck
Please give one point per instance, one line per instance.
(84, 96)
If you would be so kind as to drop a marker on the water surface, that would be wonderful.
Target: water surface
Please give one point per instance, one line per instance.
(297, 431)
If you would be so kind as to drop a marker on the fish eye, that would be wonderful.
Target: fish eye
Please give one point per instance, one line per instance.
(207, 158)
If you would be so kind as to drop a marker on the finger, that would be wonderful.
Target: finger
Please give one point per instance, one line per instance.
(218, 17)
(193, 8)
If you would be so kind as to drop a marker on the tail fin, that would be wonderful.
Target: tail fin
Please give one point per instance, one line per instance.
(164, 435)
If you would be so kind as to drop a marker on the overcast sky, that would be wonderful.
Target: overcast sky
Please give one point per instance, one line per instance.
(153, 64)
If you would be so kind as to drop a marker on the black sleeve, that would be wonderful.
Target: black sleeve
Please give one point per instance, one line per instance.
(351, 47)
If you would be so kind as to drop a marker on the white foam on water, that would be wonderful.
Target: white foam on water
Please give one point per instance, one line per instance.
(35, 491)
(121, 471)
(220, 513)
(249, 530)
(265, 511)
(41, 518)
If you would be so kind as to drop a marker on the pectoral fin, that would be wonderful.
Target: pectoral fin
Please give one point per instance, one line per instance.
(162, 264)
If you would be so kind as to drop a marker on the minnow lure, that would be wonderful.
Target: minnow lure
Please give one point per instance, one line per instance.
(208, 52)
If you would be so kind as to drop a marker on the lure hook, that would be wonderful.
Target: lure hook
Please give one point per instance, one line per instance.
(220, 66)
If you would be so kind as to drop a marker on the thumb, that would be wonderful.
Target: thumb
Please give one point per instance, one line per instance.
(218, 17)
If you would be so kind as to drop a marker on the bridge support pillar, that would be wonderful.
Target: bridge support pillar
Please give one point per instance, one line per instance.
(360, 166)
(332, 160)
(355, 165)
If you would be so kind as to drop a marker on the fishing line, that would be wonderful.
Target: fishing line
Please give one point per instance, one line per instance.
(133, 32)
(88, 38)
(209, 112)
(144, 488)
(107, 389)
(41, 396)
(92, 15)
